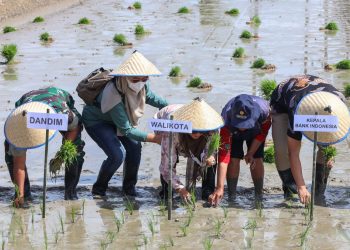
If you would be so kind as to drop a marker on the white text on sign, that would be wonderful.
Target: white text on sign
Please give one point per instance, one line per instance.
(47, 121)
(316, 123)
(170, 126)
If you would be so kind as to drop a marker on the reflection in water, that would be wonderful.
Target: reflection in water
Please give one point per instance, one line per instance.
(10, 73)
(119, 51)
(212, 12)
(306, 36)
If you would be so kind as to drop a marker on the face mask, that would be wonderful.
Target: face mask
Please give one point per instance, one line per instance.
(136, 87)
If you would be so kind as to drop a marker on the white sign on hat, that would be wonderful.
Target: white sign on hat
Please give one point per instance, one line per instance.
(316, 123)
(170, 125)
(47, 121)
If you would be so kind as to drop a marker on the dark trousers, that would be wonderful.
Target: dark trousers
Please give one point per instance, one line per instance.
(118, 149)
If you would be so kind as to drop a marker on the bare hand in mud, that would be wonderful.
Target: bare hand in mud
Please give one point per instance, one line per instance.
(304, 195)
(185, 195)
(18, 202)
(211, 161)
(330, 163)
(216, 197)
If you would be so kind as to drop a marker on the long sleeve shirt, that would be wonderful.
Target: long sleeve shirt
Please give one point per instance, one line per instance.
(117, 116)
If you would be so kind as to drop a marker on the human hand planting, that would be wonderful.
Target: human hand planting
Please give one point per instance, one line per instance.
(215, 198)
(304, 195)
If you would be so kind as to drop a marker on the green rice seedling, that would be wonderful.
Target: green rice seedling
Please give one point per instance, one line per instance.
(56, 236)
(218, 227)
(208, 243)
(145, 239)
(255, 20)
(329, 152)
(17, 190)
(175, 71)
(184, 230)
(151, 227)
(189, 220)
(306, 213)
(162, 208)
(259, 207)
(9, 51)
(19, 223)
(137, 5)
(258, 63)
(238, 53)
(8, 29)
(183, 10)
(164, 246)
(118, 224)
(193, 198)
(41, 206)
(267, 87)
(84, 21)
(332, 26)
(120, 39)
(83, 208)
(110, 237)
(347, 90)
(194, 82)
(269, 155)
(232, 12)
(38, 19)
(214, 143)
(171, 241)
(129, 206)
(61, 223)
(246, 34)
(139, 30)
(66, 155)
(45, 240)
(3, 243)
(73, 214)
(32, 211)
(304, 234)
(251, 224)
(45, 37)
(122, 217)
(225, 210)
(344, 64)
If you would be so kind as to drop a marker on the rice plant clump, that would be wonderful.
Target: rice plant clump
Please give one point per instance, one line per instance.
(175, 71)
(267, 87)
(8, 29)
(120, 39)
(66, 155)
(183, 10)
(232, 12)
(344, 64)
(208, 243)
(269, 155)
(9, 51)
(38, 19)
(137, 5)
(329, 152)
(246, 34)
(195, 82)
(45, 37)
(255, 20)
(331, 26)
(258, 63)
(347, 90)
(84, 20)
(214, 143)
(238, 53)
(139, 30)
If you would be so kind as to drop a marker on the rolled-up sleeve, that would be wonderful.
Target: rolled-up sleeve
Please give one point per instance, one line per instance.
(121, 120)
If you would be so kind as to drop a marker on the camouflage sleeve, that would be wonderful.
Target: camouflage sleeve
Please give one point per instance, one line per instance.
(70, 104)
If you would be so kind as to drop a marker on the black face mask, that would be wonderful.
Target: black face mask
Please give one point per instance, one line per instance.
(245, 135)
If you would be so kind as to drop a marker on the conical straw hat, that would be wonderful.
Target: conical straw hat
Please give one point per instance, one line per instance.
(16, 131)
(136, 65)
(318, 102)
(202, 116)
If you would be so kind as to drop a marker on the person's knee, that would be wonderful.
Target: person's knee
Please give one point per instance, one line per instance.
(118, 156)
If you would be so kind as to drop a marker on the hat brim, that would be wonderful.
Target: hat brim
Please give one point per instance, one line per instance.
(315, 102)
(118, 74)
(17, 133)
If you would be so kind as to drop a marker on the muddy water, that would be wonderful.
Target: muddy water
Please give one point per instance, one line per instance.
(201, 43)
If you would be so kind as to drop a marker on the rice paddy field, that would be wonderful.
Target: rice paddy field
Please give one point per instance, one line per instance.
(291, 40)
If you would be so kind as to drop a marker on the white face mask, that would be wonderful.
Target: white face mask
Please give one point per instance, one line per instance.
(136, 87)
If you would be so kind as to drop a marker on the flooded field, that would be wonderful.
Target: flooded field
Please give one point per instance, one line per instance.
(201, 43)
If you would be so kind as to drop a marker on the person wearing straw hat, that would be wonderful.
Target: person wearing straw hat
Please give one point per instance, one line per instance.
(19, 138)
(304, 95)
(247, 119)
(195, 147)
(113, 118)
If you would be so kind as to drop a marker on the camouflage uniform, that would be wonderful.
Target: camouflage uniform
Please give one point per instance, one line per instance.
(63, 103)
